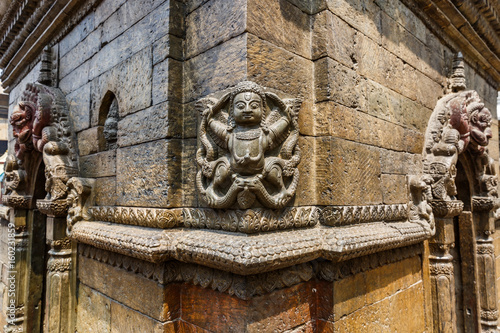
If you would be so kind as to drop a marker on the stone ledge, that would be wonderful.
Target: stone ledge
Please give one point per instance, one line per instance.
(250, 254)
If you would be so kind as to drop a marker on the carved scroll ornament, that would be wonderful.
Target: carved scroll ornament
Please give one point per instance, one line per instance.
(40, 123)
(248, 148)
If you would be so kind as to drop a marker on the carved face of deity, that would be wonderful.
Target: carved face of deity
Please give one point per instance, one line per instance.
(480, 127)
(22, 123)
(247, 109)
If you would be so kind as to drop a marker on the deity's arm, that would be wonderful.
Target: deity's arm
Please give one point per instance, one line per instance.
(277, 131)
(219, 130)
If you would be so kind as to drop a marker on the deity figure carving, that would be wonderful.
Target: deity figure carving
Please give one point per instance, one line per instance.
(248, 148)
(459, 122)
(15, 178)
(110, 130)
(40, 122)
(79, 200)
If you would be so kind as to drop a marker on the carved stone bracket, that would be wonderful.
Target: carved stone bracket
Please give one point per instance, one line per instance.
(483, 204)
(445, 209)
(55, 208)
(17, 201)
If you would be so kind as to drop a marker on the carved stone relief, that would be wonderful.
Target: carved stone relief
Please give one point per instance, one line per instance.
(40, 124)
(248, 148)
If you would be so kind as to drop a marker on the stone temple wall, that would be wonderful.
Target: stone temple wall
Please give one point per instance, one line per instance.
(369, 74)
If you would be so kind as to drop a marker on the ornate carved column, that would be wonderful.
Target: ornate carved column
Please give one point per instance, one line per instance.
(441, 265)
(485, 226)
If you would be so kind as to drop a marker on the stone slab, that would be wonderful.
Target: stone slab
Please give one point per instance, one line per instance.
(269, 20)
(334, 38)
(228, 60)
(105, 191)
(160, 302)
(77, 78)
(148, 174)
(167, 81)
(214, 23)
(169, 46)
(79, 32)
(80, 53)
(91, 141)
(130, 82)
(336, 82)
(164, 120)
(93, 311)
(79, 107)
(395, 189)
(102, 164)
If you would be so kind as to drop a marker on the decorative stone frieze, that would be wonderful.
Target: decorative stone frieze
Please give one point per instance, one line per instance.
(346, 215)
(250, 254)
(248, 148)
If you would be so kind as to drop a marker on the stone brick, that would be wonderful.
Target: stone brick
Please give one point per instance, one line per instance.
(91, 141)
(363, 15)
(190, 120)
(79, 108)
(149, 174)
(394, 189)
(336, 120)
(105, 191)
(213, 23)
(309, 6)
(98, 165)
(373, 318)
(80, 53)
(105, 10)
(130, 82)
(168, 46)
(75, 79)
(282, 310)
(334, 38)
(125, 319)
(126, 16)
(337, 165)
(335, 82)
(167, 81)
(414, 141)
(163, 120)
(77, 34)
(228, 60)
(270, 19)
(349, 295)
(160, 302)
(140, 36)
(273, 67)
(403, 320)
(377, 132)
(93, 311)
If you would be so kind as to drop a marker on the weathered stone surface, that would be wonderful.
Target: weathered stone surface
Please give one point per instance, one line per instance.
(130, 81)
(394, 188)
(363, 15)
(148, 174)
(273, 67)
(105, 9)
(75, 79)
(227, 59)
(79, 107)
(76, 35)
(80, 53)
(126, 16)
(161, 303)
(334, 38)
(213, 23)
(125, 319)
(163, 120)
(91, 141)
(167, 81)
(93, 311)
(140, 36)
(169, 46)
(105, 191)
(336, 82)
(337, 165)
(106, 162)
(270, 19)
(309, 6)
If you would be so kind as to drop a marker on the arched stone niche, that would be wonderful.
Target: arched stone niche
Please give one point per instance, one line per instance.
(108, 118)
(456, 138)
